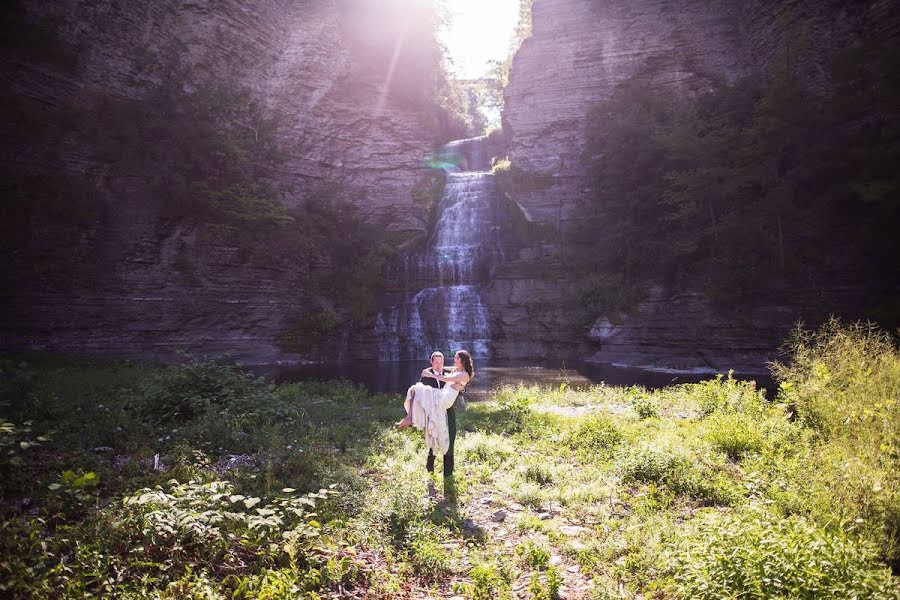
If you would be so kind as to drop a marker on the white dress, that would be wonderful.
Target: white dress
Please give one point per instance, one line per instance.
(429, 412)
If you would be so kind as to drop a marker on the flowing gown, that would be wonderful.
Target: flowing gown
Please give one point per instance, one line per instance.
(429, 412)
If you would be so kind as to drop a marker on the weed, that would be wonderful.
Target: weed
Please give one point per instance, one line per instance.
(757, 555)
(594, 436)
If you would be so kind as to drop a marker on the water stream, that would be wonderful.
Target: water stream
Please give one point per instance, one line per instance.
(443, 308)
(394, 377)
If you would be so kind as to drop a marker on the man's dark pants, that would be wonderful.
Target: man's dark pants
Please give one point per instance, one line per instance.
(448, 458)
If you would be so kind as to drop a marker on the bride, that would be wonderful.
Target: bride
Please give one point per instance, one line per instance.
(426, 407)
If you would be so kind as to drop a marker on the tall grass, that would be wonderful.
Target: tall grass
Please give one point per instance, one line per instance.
(694, 491)
(844, 382)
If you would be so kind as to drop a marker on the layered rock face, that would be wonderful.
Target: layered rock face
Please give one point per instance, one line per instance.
(579, 51)
(674, 331)
(131, 281)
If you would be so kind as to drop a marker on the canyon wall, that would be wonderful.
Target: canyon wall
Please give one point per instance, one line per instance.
(579, 52)
(128, 280)
(113, 273)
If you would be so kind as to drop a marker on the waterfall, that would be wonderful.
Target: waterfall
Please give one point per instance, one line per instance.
(444, 308)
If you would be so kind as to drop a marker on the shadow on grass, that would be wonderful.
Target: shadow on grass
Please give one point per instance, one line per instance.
(204, 419)
(447, 513)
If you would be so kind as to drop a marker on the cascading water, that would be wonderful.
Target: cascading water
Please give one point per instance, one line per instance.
(445, 309)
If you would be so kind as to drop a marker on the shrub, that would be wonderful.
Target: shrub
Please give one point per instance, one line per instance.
(538, 473)
(727, 395)
(26, 558)
(595, 435)
(736, 436)
(14, 439)
(194, 387)
(528, 494)
(534, 555)
(844, 381)
(492, 450)
(678, 471)
(489, 582)
(548, 591)
(515, 406)
(202, 519)
(643, 403)
(426, 552)
(308, 327)
(650, 463)
(758, 555)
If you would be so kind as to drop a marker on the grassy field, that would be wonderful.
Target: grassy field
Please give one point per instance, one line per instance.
(129, 480)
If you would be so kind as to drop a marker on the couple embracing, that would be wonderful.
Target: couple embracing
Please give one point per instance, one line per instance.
(429, 405)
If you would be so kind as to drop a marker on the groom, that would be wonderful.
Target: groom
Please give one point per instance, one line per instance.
(437, 367)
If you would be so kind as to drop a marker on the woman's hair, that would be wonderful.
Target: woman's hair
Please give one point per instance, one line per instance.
(466, 360)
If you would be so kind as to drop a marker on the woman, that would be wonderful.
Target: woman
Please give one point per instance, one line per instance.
(426, 407)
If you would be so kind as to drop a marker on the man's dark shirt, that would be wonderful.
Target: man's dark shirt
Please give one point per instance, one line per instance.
(431, 381)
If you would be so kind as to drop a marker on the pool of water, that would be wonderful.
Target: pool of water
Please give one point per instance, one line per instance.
(395, 377)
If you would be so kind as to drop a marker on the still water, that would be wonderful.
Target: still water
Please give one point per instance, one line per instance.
(395, 377)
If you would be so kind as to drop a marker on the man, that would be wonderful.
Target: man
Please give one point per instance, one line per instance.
(437, 367)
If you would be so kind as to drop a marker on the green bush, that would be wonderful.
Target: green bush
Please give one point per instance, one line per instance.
(307, 328)
(677, 470)
(535, 556)
(513, 408)
(195, 387)
(157, 537)
(594, 436)
(427, 553)
(651, 463)
(548, 590)
(756, 555)
(488, 449)
(206, 519)
(489, 582)
(844, 382)
(728, 395)
(643, 402)
(528, 494)
(538, 473)
(725, 190)
(735, 435)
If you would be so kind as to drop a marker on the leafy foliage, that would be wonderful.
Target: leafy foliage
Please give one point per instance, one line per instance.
(722, 494)
(194, 387)
(757, 555)
(594, 435)
(844, 381)
(207, 145)
(207, 518)
(752, 183)
(515, 408)
(489, 581)
(643, 403)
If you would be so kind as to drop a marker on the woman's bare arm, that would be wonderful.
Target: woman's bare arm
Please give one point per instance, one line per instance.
(454, 377)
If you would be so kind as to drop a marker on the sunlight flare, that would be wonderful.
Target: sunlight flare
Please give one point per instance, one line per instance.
(478, 32)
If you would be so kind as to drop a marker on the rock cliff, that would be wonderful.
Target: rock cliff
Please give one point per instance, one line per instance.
(129, 280)
(114, 273)
(579, 52)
